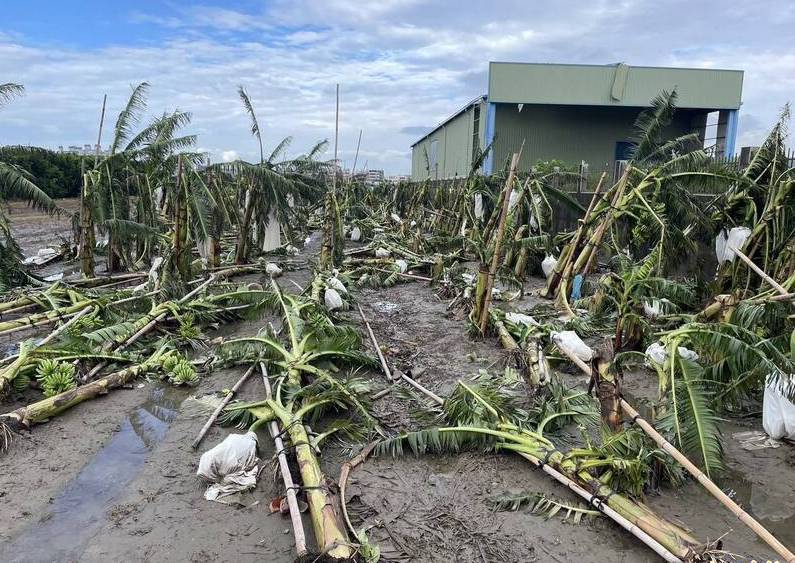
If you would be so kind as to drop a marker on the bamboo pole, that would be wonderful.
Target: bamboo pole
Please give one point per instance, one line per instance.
(495, 259)
(713, 489)
(146, 328)
(381, 357)
(773, 283)
(227, 398)
(603, 507)
(284, 468)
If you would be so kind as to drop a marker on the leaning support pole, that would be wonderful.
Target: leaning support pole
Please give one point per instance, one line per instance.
(227, 398)
(483, 321)
(773, 283)
(603, 507)
(741, 514)
(284, 468)
(378, 351)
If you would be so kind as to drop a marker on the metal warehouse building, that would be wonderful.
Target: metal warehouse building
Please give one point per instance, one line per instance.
(576, 113)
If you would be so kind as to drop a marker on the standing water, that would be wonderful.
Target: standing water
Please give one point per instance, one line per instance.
(79, 511)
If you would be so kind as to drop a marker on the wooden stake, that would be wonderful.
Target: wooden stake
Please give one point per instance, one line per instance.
(381, 357)
(227, 398)
(495, 259)
(742, 515)
(287, 477)
(773, 283)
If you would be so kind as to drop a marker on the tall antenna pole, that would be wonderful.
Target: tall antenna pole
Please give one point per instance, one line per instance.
(336, 138)
(99, 136)
(356, 158)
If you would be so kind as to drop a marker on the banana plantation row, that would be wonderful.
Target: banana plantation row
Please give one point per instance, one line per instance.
(174, 232)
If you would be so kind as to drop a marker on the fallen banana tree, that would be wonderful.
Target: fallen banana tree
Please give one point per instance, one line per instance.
(481, 423)
(41, 411)
(713, 489)
(302, 388)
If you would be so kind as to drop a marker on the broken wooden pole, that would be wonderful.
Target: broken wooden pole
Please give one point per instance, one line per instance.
(713, 489)
(219, 408)
(287, 477)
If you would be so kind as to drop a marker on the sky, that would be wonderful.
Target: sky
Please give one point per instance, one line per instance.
(402, 65)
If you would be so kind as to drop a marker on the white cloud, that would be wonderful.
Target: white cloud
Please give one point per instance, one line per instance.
(229, 156)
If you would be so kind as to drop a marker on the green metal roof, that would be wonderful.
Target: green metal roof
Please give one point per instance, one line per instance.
(612, 85)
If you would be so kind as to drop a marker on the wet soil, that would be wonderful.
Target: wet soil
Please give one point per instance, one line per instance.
(114, 479)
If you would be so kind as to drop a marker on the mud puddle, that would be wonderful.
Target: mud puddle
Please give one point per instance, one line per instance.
(774, 511)
(79, 511)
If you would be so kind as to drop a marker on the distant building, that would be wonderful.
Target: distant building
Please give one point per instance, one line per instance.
(575, 113)
(374, 177)
(85, 150)
(397, 179)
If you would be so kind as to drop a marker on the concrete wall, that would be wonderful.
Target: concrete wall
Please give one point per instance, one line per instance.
(573, 133)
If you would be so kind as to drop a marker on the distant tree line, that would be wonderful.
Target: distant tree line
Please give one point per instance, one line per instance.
(57, 174)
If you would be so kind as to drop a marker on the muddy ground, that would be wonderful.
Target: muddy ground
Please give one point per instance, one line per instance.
(114, 479)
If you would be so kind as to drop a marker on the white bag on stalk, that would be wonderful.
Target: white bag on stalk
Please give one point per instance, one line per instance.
(396, 218)
(231, 466)
(273, 270)
(571, 341)
(356, 234)
(521, 319)
(336, 285)
(513, 200)
(726, 243)
(658, 353)
(548, 265)
(382, 253)
(402, 265)
(778, 412)
(332, 299)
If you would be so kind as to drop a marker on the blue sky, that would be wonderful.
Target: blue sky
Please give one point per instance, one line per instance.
(403, 65)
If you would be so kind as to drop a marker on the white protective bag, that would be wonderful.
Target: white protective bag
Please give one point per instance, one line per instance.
(778, 412)
(725, 243)
(548, 265)
(571, 341)
(336, 285)
(332, 299)
(356, 234)
(521, 319)
(231, 466)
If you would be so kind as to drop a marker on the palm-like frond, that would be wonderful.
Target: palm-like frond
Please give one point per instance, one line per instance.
(16, 183)
(129, 116)
(255, 129)
(10, 90)
(279, 150)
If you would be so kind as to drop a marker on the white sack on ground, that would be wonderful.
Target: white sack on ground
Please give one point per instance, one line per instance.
(231, 466)
(778, 412)
(571, 341)
(273, 270)
(337, 285)
(356, 234)
(548, 265)
(726, 242)
(332, 299)
(396, 218)
(521, 319)
(382, 253)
